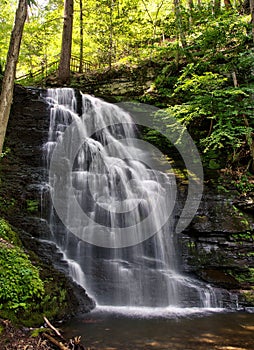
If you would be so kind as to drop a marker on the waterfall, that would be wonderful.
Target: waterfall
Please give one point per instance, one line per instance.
(112, 213)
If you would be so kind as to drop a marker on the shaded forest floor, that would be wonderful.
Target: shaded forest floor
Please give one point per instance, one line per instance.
(20, 338)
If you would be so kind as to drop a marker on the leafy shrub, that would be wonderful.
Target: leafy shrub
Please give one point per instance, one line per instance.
(218, 116)
(22, 290)
(32, 205)
(19, 279)
(7, 233)
(224, 31)
(244, 184)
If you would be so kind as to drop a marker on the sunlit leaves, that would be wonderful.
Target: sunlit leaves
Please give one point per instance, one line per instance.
(217, 115)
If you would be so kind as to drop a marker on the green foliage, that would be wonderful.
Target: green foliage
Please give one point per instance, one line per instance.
(19, 279)
(244, 184)
(5, 153)
(37, 331)
(246, 276)
(213, 164)
(53, 304)
(245, 65)
(157, 139)
(32, 205)
(27, 292)
(20, 282)
(246, 236)
(213, 33)
(7, 204)
(216, 114)
(128, 31)
(7, 11)
(7, 233)
(41, 42)
(249, 296)
(198, 48)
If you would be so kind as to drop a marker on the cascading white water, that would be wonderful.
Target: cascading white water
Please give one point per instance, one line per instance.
(111, 182)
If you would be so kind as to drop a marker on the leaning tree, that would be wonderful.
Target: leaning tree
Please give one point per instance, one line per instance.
(10, 68)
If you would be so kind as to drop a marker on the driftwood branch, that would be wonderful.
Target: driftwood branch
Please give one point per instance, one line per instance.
(73, 344)
(59, 344)
(53, 328)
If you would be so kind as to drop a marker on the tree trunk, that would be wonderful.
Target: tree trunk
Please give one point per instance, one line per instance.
(81, 30)
(110, 53)
(10, 68)
(191, 8)
(235, 79)
(65, 58)
(252, 17)
(179, 23)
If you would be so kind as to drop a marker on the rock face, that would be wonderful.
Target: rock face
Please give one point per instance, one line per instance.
(22, 172)
(121, 82)
(218, 245)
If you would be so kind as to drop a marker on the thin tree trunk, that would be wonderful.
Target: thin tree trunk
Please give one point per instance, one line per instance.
(81, 49)
(153, 22)
(10, 68)
(64, 65)
(252, 17)
(235, 79)
(110, 56)
(155, 19)
(179, 22)
(191, 7)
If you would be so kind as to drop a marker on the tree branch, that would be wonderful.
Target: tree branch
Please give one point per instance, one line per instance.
(53, 328)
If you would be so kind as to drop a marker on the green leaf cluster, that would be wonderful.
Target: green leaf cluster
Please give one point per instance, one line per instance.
(20, 283)
(19, 280)
(7, 233)
(218, 116)
(29, 289)
(244, 184)
(32, 205)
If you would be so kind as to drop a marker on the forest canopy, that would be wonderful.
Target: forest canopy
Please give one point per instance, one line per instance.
(110, 31)
(205, 51)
